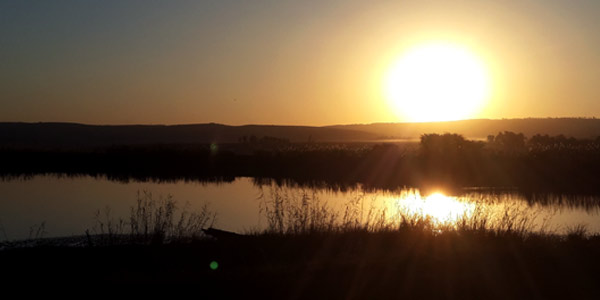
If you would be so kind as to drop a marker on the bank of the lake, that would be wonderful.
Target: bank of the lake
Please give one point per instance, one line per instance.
(405, 263)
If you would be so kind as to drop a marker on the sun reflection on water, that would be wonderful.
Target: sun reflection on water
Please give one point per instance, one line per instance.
(439, 208)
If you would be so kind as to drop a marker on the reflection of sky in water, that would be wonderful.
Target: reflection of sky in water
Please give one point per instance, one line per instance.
(67, 205)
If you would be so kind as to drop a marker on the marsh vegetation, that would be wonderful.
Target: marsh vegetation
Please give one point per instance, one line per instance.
(310, 250)
(538, 164)
(431, 245)
(150, 221)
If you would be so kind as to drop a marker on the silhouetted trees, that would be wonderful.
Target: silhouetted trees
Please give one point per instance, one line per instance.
(265, 140)
(507, 159)
(560, 143)
(448, 145)
(508, 142)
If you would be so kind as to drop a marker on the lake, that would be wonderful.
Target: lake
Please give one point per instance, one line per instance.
(52, 206)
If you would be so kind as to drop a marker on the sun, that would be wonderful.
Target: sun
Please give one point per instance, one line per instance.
(437, 82)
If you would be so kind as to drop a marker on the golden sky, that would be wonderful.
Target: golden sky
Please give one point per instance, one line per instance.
(282, 62)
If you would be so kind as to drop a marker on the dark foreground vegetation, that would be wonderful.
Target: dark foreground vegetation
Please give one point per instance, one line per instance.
(398, 264)
(354, 265)
(309, 252)
(537, 163)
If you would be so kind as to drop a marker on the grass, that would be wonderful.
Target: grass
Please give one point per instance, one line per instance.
(311, 249)
(3, 232)
(152, 221)
(161, 220)
(577, 232)
(37, 231)
(304, 213)
(287, 214)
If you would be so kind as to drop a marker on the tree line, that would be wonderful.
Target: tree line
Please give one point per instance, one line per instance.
(507, 159)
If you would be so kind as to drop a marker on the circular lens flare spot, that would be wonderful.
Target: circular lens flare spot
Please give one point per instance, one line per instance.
(213, 265)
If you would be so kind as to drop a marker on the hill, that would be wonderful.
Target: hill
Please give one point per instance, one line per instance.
(69, 135)
(481, 128)
(73, 135)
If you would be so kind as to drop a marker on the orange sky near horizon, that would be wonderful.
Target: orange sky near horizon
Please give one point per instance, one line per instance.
(283, 62)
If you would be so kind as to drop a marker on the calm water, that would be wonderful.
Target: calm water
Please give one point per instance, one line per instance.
(67, 205)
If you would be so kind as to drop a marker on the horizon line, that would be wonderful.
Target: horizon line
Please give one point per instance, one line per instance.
(296, 125)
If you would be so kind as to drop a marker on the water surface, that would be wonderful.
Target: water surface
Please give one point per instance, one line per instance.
(67, 205)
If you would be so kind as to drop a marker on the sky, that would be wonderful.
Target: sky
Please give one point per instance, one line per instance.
(282, 62)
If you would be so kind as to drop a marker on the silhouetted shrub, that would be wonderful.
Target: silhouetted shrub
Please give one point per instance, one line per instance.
(508, 143)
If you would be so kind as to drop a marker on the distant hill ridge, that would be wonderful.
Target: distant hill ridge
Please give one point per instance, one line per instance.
(585, 128)
(81, 135)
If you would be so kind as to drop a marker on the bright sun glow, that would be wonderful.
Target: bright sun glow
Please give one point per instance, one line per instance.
(437, 82)
(440, 208)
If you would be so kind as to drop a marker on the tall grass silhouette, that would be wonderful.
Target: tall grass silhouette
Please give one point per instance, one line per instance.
(304, 213)
(152, 221)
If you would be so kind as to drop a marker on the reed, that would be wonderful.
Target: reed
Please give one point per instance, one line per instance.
(153, 221)
(304, 213)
